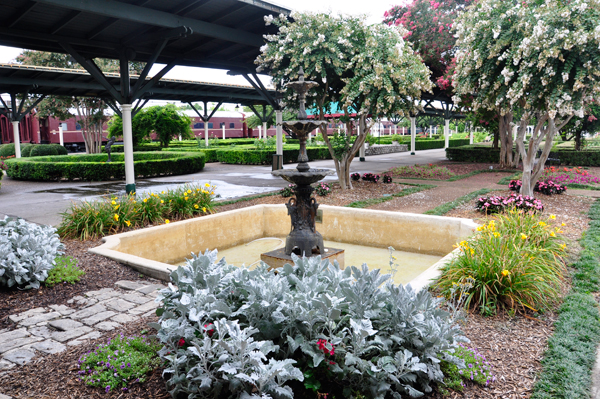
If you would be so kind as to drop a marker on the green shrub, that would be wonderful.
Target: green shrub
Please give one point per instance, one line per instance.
(429, 171)
(95, 168)
(26, 150)
(89, 220)
(27, 252)
(8, 150)
(243, 332)
(43, 150)
(65, 271)
(123, 360)
(579, 158)
(515, 261)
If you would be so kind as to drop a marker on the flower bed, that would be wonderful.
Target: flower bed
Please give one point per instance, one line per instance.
(570, 176)
(546, 186)
(497, 204)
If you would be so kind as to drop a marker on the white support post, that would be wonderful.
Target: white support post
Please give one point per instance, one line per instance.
(361, 153)
(265, 136)
(60, 135)
(278, 121)
(413, 134)
(470, 134)
(259, 132)
(430, 131)
(395, 129)
(223, 132)
(180, 137)
(16, 139)
(447, 133)
(128, 149)
(206, 134)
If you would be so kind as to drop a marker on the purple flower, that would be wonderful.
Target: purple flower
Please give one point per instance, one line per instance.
(107, 388)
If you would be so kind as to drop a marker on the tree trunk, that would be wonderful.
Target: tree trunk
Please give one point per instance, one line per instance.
(506, 140)
(544, 130)
(578, 140)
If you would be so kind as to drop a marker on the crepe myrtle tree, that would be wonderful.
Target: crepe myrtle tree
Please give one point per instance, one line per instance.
(538, 58)
(367, 70)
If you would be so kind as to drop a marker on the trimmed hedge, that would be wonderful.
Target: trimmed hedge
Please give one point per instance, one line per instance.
(479, 153)
(33, 150)
(579, 158)
(210, 154)
(138, 148)
(95, 168)
(473, 153)
(265, 157)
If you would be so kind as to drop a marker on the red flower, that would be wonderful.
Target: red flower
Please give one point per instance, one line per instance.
(181, 342)
(210, 331)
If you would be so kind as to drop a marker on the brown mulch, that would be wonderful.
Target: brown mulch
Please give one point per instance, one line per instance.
(100, 272)
(55, 376)
(513, 345)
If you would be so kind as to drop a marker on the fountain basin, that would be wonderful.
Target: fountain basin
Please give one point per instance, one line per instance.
(156, 250)
(302, 178)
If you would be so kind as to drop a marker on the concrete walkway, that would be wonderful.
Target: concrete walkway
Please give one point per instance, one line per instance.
(43, 202)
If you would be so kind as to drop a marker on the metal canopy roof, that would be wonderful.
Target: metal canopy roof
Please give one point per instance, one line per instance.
(223, 34)
(76, 82)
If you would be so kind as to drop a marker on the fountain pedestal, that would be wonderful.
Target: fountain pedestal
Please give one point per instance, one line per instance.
(278, 257)
(304, 239)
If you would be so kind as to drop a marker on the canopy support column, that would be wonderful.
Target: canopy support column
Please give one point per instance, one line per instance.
(446, 132)
(16, 139)
(128, 149)
(279, 134)
(413, 133)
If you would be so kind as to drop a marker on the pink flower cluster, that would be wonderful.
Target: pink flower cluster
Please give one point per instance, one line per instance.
(496, 204)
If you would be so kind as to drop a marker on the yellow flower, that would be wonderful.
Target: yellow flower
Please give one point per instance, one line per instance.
(198, 190)
(496, 235)
(523, 236)
(162, 201)
(116, 217)
(552, 234)
(167, 221)
(145, 200)
(552, 217)
(472, 252)
(162, 192)
(212, 193)
(480, 228)
(563, 246)
(128, 223)
(116, 207)
(113, 202)
(189, 191)
(186, 198)
(196, 206)
(204, 209)
(562, 224)
(505, 273)
(206, 185)
(542, 224)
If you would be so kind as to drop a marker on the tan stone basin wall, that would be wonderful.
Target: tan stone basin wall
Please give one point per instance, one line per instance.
(153, 250)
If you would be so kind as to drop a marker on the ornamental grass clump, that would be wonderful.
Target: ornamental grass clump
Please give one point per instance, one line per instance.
(515, 261)
(114, 214)
(27, 253)
(119, 363)
(234, 332)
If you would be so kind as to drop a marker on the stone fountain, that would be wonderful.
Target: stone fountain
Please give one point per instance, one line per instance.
(303, 239)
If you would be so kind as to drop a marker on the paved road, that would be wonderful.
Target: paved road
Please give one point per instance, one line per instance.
(43, 202)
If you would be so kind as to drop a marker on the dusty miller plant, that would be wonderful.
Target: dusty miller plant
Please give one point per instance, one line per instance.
(27, 252)
(233, 332)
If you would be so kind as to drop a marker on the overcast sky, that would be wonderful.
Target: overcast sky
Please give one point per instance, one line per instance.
(374, 10)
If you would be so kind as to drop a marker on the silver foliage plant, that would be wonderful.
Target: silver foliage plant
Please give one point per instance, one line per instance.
(27, 252)
(234, 332)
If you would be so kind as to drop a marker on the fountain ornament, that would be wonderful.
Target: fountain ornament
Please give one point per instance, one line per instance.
(304, 238)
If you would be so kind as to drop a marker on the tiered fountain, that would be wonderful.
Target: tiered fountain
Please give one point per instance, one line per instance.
(304, 239)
